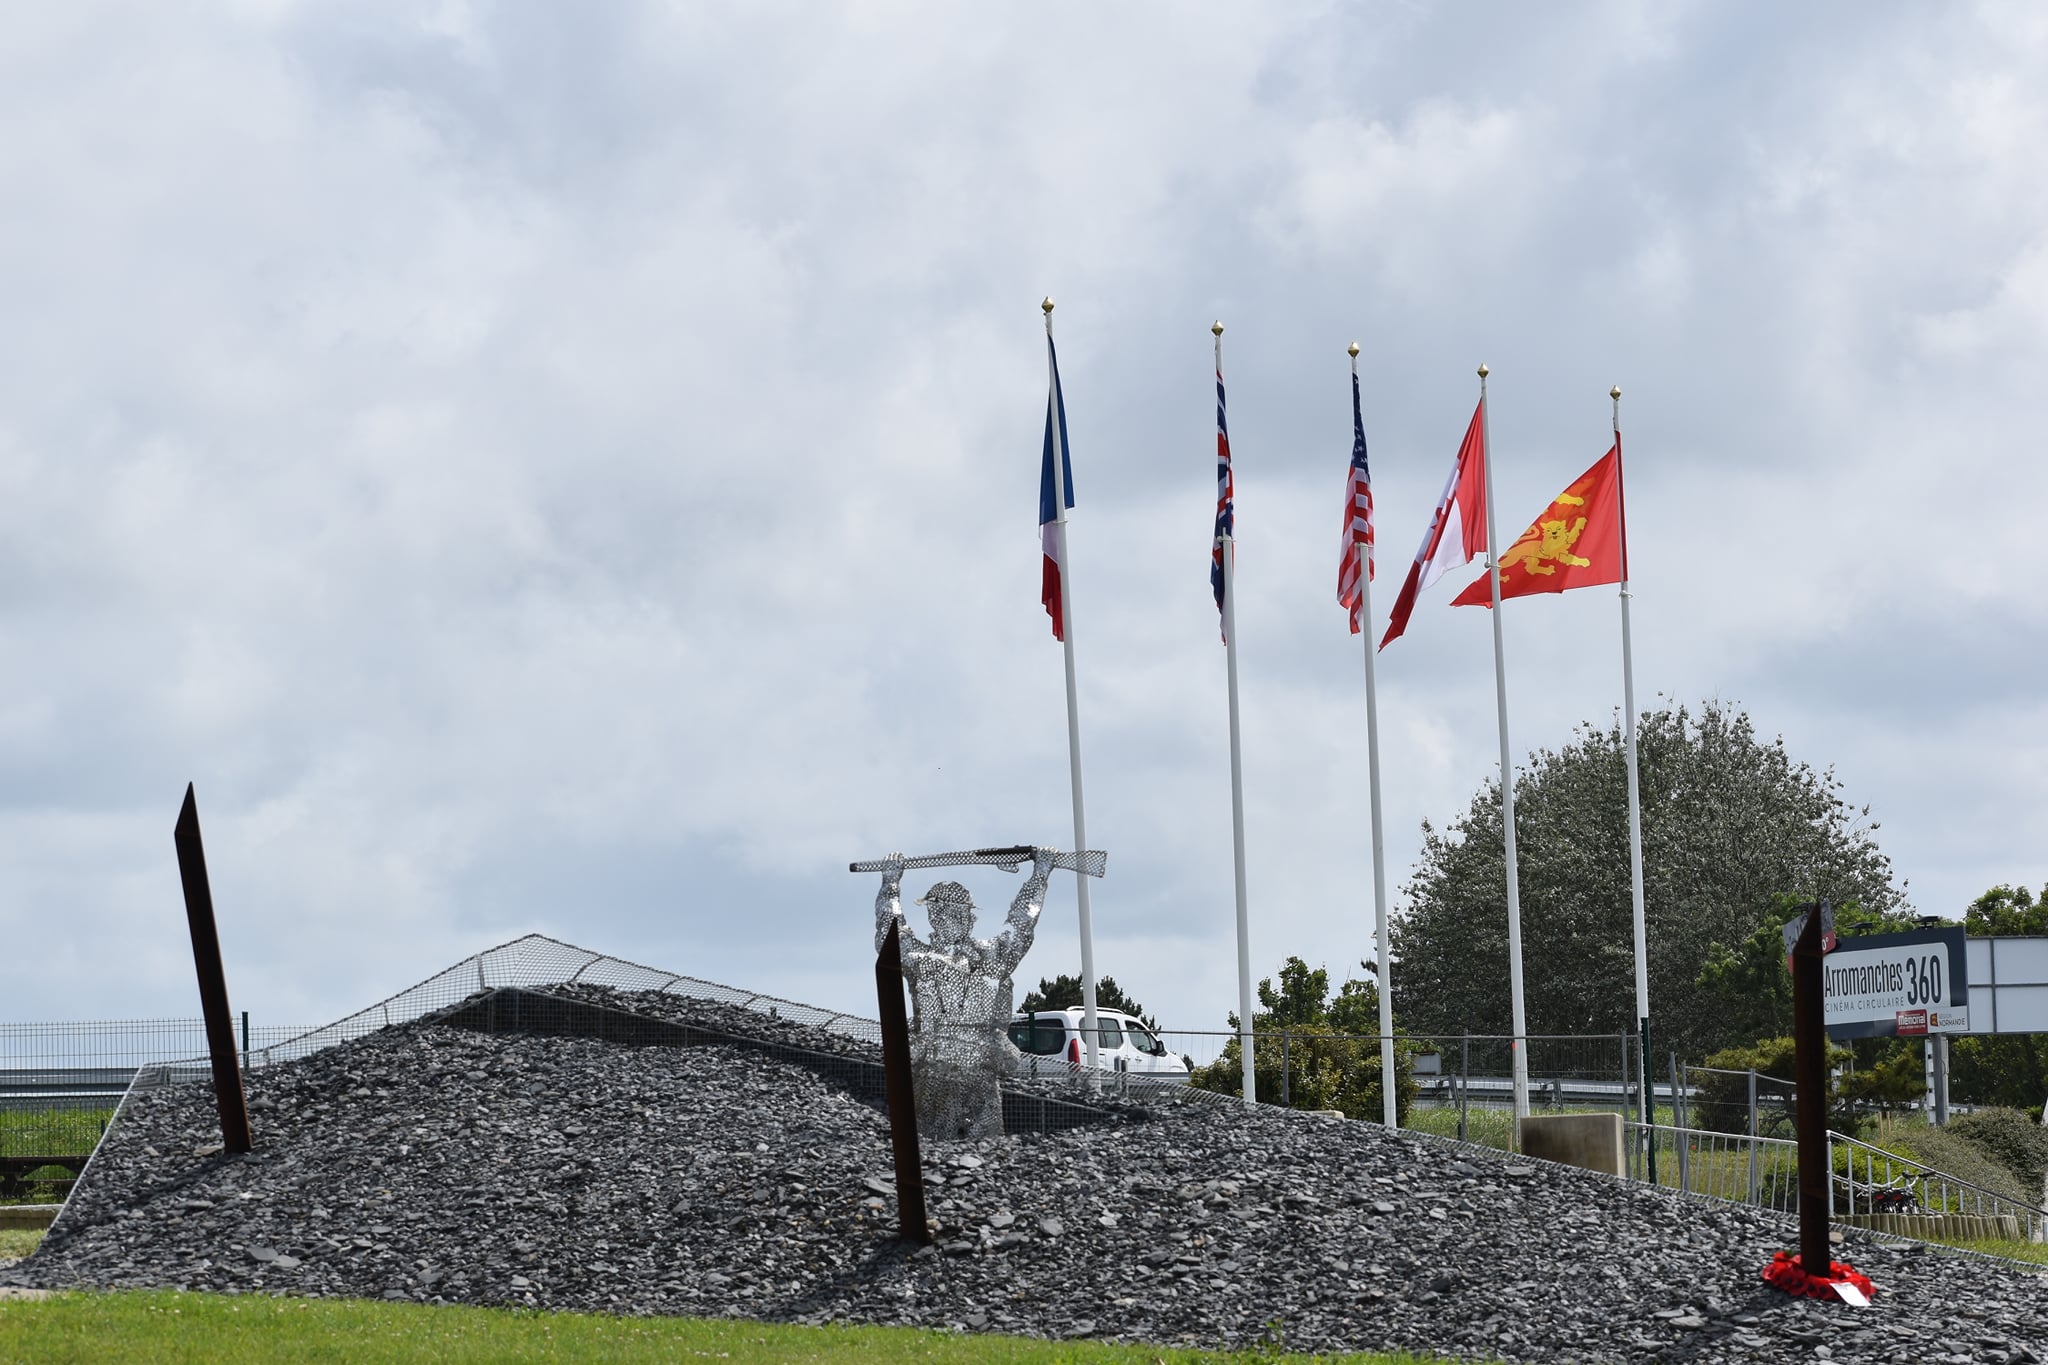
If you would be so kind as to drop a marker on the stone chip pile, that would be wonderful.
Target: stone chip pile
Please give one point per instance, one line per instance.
(433, 1164)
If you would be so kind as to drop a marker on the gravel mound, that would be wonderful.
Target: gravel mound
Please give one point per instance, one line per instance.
(437, 1164)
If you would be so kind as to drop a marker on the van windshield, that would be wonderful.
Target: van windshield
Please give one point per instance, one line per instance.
(1141, 1038)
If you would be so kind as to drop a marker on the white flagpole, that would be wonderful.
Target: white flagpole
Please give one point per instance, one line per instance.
(1519, 1050)
(1244, 951)
(1635, 805)
(1388, 1114)
(1059, 502)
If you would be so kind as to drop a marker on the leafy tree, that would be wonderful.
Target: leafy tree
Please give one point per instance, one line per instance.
(2007, 912)
(1749, 988)
(1064, 992)
(1328, 1054)
(1892, 1078)
(1732, 826)
(2007, 1068)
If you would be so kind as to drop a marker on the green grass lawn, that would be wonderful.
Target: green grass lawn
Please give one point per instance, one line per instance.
(16, 1243)
(2037, 1252)
(51, 1132)
(175, 1328)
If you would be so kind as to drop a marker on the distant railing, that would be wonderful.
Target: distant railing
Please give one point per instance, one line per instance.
(1888, 1192)
(1732, 1166)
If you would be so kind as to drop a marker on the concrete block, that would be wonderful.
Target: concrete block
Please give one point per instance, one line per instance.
(1589, 1140)
(28, 1215)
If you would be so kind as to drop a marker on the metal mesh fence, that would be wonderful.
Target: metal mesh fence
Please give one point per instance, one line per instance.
(1463, 1084)
(1725, 1101)
(61, 1082)
(541, 985)
(537, 961)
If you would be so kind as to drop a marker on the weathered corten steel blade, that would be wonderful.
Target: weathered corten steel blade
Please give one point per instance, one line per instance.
(910, 1216)
(213, 984)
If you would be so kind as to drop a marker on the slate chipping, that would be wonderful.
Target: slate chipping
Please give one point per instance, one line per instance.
(436, 1164)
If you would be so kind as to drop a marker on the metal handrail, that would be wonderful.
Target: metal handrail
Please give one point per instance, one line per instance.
(2033, 1218)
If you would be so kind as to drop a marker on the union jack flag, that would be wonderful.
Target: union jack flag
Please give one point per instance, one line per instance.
(1357, 520)
(1225, 512)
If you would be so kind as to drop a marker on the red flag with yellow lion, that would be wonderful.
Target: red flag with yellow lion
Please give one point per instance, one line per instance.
(1577, 542)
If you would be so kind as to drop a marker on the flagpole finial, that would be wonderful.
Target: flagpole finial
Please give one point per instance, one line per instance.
(1615, 393)
(1047, 305)
(1352, 349)
(1483, 371)
(1217, 327)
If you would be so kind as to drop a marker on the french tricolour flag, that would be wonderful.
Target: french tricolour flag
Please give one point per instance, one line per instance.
(1058, 454)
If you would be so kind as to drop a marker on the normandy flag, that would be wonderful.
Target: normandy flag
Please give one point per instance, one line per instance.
(1577, 542)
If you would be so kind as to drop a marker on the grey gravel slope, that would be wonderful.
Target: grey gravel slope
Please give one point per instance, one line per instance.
(428, 1163)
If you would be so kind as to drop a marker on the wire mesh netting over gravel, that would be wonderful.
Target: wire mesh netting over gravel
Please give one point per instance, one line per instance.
(741, 1171)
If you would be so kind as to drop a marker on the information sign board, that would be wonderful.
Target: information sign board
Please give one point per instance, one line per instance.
(1908, 984)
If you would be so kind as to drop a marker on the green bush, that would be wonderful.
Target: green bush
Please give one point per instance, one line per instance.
(2012, 1138)
(1944, 1150)
(1323, 1070)
(1326, 1054)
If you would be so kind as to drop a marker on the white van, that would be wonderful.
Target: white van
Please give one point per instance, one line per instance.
(1124, 1044)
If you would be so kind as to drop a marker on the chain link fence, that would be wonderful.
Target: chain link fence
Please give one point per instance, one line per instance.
(1458, 1085)
(60, 1084)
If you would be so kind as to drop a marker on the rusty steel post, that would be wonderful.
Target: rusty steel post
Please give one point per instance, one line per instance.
(213, 982)
(910, 1215)
(1810, 1074)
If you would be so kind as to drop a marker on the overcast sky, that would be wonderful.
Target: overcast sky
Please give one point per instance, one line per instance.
(574, 468)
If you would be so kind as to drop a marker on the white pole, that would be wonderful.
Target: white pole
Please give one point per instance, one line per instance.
(1244, 951)
(1519, 1051)
(1628, 729)
(1089, 1031)
(1388, 1114)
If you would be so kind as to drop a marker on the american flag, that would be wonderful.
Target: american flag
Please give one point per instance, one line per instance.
(1225, 513)
(1357, 519)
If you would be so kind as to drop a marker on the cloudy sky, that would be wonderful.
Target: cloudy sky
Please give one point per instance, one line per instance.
(574, 469)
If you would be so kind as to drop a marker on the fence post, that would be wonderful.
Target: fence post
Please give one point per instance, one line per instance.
(1286, 1059)
(1755, 1177)
(1831, 1171)
(1646, 1099)
(1938, 1044)
(1464, 1084)
(1678, 1125)
(1622, 1039)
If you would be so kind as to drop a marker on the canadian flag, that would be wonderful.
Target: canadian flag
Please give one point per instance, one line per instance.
(1458, 531)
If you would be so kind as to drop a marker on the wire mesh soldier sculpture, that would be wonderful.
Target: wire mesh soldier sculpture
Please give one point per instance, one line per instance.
(962, 992)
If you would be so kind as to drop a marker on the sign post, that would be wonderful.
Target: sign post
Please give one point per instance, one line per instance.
(1810, 1072)
(1813, 1273)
